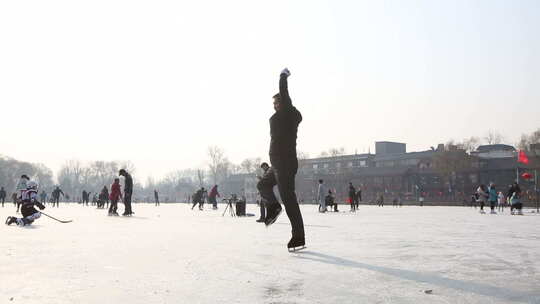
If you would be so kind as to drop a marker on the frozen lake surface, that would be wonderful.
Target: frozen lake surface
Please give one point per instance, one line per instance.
(171, 254)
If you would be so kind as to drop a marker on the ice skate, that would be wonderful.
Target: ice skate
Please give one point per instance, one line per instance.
(482, 212)
(493, 212)
(272, 213)
(10, 220)
(296, 244)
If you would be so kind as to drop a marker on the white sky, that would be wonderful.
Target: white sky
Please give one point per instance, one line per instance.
(157, 82)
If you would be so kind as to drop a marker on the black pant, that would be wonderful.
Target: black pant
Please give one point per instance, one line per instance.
(127, 203)
(262, 208)
(57, 201)
(3, 199)
(114, 206)
(285, 181)
(201, 203)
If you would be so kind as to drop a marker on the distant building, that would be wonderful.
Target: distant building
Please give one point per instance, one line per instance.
(393, 171)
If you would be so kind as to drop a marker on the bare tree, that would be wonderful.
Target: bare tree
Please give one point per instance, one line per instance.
(128, 166)
(493, 137)
(332, 152)
(250, 165)
(469, 144)
(336, 151)
(218, 165)
(201, 176)
(449, 162)
(527, 140)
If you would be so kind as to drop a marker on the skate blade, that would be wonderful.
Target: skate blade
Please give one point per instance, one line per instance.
(296, 249)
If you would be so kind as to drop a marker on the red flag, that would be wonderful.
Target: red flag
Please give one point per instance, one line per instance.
(522, 157)
(526, 175)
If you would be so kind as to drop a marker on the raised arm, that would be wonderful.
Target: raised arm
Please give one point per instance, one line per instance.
(283, 88)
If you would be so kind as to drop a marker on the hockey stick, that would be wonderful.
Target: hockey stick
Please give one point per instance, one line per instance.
(55, 218)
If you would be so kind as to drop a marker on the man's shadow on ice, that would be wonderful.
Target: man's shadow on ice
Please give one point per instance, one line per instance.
(502, 292)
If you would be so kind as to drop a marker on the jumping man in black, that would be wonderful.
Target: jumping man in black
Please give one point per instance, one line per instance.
(283, 132)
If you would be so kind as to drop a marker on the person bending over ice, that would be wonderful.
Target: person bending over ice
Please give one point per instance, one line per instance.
(29, 213)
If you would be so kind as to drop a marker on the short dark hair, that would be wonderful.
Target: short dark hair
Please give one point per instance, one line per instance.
(277, 96)
(264, 164)
(320, 181)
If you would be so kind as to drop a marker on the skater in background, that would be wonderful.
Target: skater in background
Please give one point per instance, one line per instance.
(20, 189)
(103, 197)
(283, 132)
(266, 189)
(501, 200)
(482, 196)
(43, 197)
(514, 197)
(56, 196)
(395, 201)
(105, 192)
(95, 199)
(198, 199)
(352, 199)
(380, 200)
(29, 200)
(85, 197)
(2, 196)
(492, 196)
(128, 191)
(213, 195)
(321, 199)
(204, 196)
(114, 196)
(358, 197)
(156, 198)
(14, 199)
(421, 199)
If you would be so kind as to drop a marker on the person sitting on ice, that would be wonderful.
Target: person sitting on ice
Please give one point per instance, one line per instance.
(330, 201)
(29, 213)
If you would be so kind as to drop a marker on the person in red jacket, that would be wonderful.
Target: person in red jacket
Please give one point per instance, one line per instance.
(116, 194)
(212, 196)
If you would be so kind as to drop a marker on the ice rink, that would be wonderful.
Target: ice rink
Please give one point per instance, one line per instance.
(171, 254)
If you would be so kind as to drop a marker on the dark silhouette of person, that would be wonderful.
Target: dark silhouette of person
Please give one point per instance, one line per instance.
(283, 133)
(266, 189)
(56, 196)
(128, 191)
(156, 197)
(2, 196)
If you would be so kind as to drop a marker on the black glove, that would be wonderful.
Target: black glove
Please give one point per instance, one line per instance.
(40, 206)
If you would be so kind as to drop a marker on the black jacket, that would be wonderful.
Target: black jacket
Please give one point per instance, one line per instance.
(283, 130)
(268, 180)
(128, 185)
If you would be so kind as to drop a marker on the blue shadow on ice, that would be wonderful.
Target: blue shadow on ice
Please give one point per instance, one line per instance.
(478, 288)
